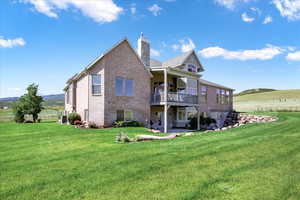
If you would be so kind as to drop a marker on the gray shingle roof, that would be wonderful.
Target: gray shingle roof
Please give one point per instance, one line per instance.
(155, 63)
(178, 60)
(205, 82)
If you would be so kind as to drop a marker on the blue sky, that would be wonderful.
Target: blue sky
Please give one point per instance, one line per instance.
(241, 43)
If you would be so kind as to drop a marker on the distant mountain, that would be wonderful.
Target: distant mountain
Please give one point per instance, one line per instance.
(254, 91)
(50, 100)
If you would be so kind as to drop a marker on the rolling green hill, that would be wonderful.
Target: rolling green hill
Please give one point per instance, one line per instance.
(254, 91)
(279, 100)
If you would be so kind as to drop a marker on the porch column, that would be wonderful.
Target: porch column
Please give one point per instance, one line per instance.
(198, 118)
(166, 100)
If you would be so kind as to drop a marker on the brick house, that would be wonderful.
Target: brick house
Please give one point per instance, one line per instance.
(123, 84)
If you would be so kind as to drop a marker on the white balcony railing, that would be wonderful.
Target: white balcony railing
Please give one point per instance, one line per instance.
(175, 97)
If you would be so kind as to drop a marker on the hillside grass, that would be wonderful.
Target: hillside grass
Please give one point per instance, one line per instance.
(51, 113)
(280, 100)
(53, 161)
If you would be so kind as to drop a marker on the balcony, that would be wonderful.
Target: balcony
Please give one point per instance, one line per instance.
(174, 97)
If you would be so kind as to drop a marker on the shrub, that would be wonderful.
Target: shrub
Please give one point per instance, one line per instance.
(92, 125)
(64, 119)
(73, 117)
(77, 122)
(128, 124)
(19, 117)
(118, 124)
(39, 120)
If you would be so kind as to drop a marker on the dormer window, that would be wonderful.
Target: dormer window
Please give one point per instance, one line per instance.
(192, 68)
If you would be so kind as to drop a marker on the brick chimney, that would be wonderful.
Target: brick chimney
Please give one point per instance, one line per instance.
(144, 50)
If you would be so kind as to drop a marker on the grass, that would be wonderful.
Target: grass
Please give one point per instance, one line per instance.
(280, 100)
(52, 161)
(49, 113)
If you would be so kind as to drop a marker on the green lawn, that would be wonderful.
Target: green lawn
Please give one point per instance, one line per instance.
(52, 161)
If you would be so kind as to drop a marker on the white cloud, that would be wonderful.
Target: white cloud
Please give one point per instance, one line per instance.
(230, 4)
(175, 47)
(99, 10)
(154, 52)
(133, 8)
(155, 9)
(247, 18)
(291, 48)
(267, 20)
(10, 43)
(187, 45)
(267, 53)
(288, 8)
(293, 56)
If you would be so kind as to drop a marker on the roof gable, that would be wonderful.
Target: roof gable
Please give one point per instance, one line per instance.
(92, 64)
(182, 59)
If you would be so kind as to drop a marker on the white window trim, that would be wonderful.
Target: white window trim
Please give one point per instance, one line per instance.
(123, 92)
(185, 115)
(98, 94)
(187, 67)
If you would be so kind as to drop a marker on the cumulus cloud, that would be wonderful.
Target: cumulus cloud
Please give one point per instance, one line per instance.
(133, 8)
(99, 10)
(187, 45)
(267, 53)
(154, 52)
(293, 56)
(155, 9)
(10, 43)
(230, 4)
(267, 20)
(247, 18)
(288, 8)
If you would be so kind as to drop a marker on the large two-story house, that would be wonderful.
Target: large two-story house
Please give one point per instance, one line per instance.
(123, 84)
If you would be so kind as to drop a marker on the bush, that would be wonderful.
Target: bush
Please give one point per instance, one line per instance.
(73, 117)
(19, 117)
(92, 125)
(128, 124)
(64, 119)
(77, 122)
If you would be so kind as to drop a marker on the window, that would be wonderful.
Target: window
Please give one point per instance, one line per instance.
(204, 94)
(222, 96)
(181, 114)
(86, 115)
(218, 95)
(227, 94)
(96, 84)
(128, 115)
(192, 87)
(124, 87)
(124, 115)
(119, 86)
(129, 88)
(68, 96)
(192, 68)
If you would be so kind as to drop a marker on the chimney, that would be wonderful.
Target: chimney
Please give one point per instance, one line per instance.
(144, 50)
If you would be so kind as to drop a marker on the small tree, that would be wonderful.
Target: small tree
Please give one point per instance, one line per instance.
(30, 104)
